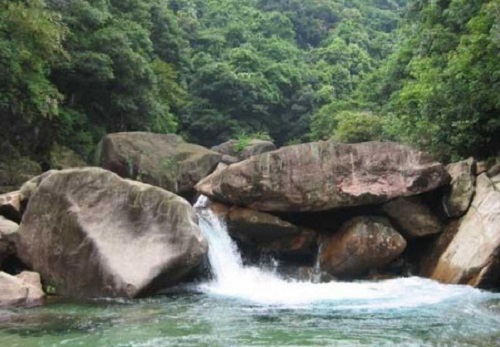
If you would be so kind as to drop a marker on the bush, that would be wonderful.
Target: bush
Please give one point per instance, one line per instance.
(354, 127)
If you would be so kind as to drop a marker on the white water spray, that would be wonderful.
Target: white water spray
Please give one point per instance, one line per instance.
(232, 279)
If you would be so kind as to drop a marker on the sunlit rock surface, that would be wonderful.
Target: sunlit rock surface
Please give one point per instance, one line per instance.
(324, 175)
(90, 233)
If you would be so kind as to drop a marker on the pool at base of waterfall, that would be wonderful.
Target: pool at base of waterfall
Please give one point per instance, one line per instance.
(467, 318)
(251, 306)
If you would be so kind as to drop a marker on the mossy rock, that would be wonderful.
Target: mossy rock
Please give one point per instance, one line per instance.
(62, 157)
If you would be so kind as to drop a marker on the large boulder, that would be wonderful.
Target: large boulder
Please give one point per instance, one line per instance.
(90, 233)
(412, 217)
(62, 157)
(324, 175)
(473, 256)
(15, 171)
(8, 232)
(244, 149)
(462, 188)
(362, 244)
(269, 234)
(162, 160)
(23, 290)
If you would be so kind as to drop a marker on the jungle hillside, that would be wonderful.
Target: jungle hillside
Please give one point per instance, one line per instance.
(421, 72)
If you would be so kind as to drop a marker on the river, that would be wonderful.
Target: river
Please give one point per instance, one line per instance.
(251, 306)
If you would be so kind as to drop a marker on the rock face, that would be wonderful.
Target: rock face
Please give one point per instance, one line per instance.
(62, 157)
(23, 290)
(103, 236)
(323, 175)
(462, 188)
(10, 205)
(253, 147)
(473, 256)
(412, 217)
(362, 244)
(8, 231)
(161, 160)
(270, 234)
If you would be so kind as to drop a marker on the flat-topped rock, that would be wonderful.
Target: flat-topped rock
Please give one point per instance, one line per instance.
(23, 290)
(324, 175)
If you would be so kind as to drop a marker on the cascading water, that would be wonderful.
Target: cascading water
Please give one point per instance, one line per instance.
(233, 279)
(248, 306)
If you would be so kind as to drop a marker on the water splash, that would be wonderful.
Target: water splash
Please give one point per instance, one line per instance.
(233, 279)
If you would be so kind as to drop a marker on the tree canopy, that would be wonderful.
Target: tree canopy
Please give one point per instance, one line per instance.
(417, 71)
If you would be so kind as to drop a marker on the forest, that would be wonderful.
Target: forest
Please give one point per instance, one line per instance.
(420, 72)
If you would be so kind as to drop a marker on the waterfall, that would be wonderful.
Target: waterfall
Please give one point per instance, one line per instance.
(233, 279)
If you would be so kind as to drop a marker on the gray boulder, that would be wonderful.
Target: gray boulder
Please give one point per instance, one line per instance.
(269, 234)
(473, 256)
(412, 217)
(161, 160)
(90, 233)
(324, 175)
(242, 151)
(462, 187)
(362, 244)
(23, 290)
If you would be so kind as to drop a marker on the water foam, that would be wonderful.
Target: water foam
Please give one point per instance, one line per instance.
(233, 279)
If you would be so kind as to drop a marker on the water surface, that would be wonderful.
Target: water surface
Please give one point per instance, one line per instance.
(250, 306)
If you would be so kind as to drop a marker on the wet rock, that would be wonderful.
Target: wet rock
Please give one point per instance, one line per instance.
(269, 234)
(24, 290)
(324, 175)
(362, 244)
(103, 236)
(472, 257)
(412, 217)
(162, 160)
(462, 187)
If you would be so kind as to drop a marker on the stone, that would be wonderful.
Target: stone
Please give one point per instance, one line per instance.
(248, 149)
(428, 254)
(412, 217)
(10, 206)
(324, 175)
(269, 234)
(256, 147)
(162, 160)
(229, 159)
(8, 233)
(29, 188)
(473, 256)
(104, 236)
(462, 187)
(24, 290)
(15, 171)
(482, 167)
(362, 244)
(62, 157)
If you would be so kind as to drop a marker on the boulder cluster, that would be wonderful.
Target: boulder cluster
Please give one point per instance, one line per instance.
(125, 227)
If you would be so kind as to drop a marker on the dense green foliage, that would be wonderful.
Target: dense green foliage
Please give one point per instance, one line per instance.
(348, 70)
(440, 88)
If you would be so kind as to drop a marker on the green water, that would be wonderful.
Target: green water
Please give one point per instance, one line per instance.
(200, 319)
